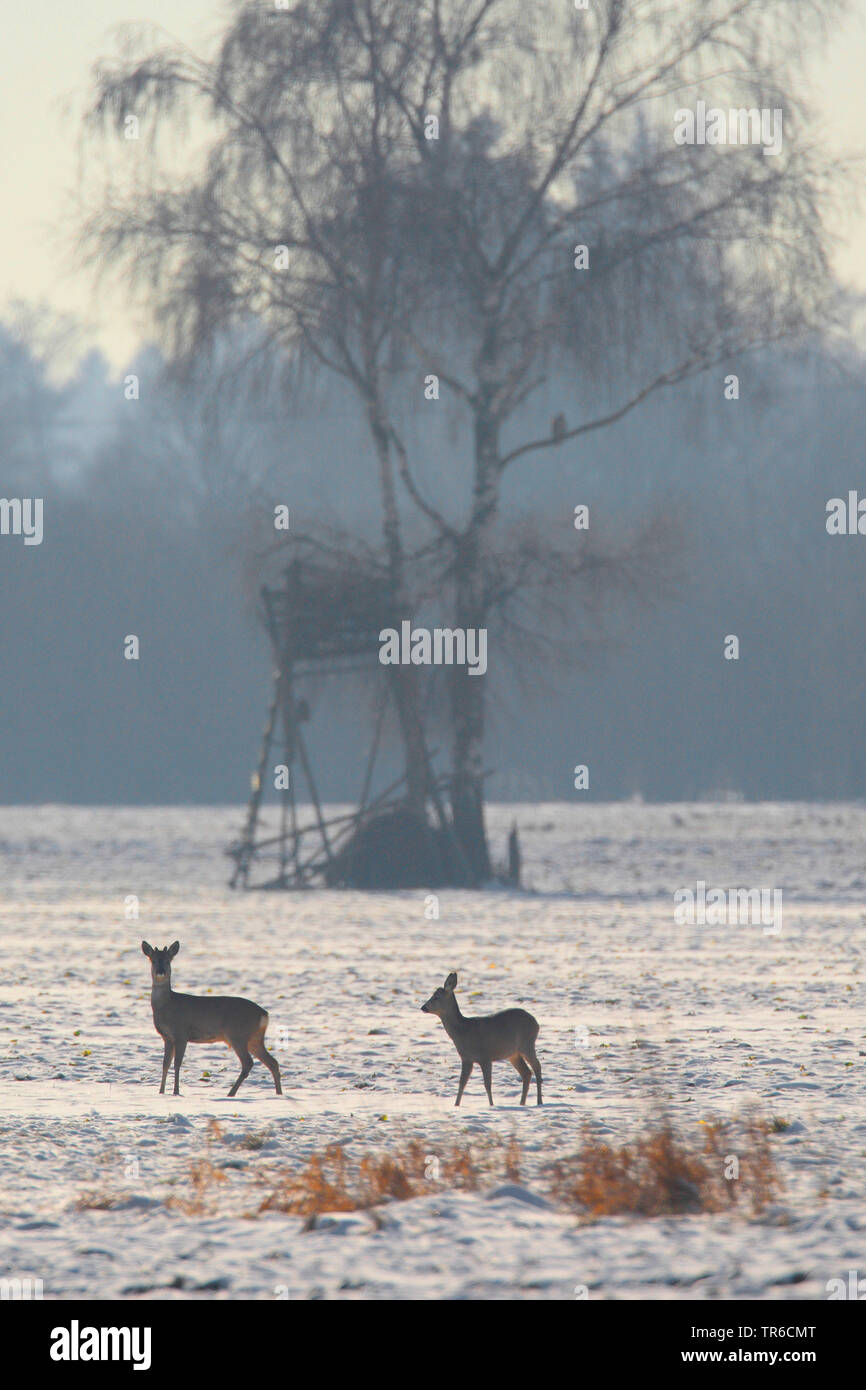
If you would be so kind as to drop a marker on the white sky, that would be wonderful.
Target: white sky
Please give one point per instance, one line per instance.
(46, 55)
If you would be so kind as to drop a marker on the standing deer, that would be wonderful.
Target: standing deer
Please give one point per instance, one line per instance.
(192, 1018)
(491, 1038)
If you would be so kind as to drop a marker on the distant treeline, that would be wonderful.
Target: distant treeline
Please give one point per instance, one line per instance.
(158, 513)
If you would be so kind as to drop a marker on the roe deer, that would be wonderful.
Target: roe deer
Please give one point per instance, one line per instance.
(192, 1018)
(491, 1038)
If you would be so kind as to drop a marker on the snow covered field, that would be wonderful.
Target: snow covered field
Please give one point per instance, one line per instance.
(633, 1009)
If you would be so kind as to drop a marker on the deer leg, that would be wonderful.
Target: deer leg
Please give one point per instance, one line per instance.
(246, 1062)
(465, 1072)
(532, 1058)
(166, 1062)
(179, 1050)
(487, 1073)
(525, 1075)
(258, 1049)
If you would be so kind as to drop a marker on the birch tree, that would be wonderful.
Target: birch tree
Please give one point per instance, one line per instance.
(573, 249)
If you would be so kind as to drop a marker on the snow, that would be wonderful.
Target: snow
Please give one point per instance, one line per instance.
(635, 1011)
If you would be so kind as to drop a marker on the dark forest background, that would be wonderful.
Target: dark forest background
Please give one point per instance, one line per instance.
(157, 513)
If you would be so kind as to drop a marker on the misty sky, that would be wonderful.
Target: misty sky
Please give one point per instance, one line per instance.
(44, 65)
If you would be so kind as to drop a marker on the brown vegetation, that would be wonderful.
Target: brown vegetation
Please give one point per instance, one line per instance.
(657, 1174)
(660, 1174)
(332, 1181)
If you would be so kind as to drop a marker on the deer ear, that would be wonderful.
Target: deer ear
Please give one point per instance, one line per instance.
(173, 949)
(451, 981)
(147, 948)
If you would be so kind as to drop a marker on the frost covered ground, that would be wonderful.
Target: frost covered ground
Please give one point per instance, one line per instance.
(633, 1009)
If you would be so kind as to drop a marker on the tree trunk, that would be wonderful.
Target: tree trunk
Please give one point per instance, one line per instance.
(405, 687)
(468, 693)
(404, 679)
(467, 783)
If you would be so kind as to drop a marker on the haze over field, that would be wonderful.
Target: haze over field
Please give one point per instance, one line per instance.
(147, 524)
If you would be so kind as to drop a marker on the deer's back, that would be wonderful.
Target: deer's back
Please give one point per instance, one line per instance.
(208, 1017)
(497, 1036)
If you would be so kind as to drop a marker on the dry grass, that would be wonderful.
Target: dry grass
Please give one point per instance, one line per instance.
(92, 1200)
(199, 1187)
(747, 1138)
(199, 1198)
(203, 1180)
(333, 1181)
(658, 1173)
(661, 1174)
